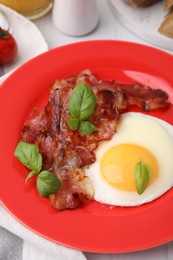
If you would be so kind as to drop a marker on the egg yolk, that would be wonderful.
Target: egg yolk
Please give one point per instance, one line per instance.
(118, 165)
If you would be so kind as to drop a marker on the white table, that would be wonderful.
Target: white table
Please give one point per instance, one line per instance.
(108, 28)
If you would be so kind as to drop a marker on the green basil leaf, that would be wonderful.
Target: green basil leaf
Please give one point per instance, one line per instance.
(30, 175)
(142, 176)
(47, 183)
(82, 102)
(87, 128)
(73, 123)
(29, 155)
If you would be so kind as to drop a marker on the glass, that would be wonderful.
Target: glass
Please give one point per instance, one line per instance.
(32, 9)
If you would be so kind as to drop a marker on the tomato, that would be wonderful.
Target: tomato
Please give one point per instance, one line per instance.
(8, 47)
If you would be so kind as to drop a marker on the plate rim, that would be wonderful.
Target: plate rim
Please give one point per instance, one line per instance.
(75, 45)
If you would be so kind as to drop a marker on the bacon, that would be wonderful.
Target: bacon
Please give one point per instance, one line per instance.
(75, 190)
(144, 97)
(67, 199)
(31, 130)
(66, 152)
(85, 155)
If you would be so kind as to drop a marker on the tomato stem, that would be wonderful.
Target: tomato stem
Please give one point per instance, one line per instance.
(4, 34)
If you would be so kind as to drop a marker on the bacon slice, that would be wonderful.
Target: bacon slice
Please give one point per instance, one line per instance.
(64, 151)
(144, 97)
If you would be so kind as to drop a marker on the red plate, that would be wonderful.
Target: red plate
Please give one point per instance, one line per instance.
(94, 227)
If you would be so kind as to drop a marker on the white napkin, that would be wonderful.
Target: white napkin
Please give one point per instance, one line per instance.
(35, 246)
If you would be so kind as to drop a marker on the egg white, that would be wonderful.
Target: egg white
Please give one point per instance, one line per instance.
(153, 134)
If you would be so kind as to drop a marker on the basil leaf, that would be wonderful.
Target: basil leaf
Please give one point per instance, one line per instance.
(47, 183)
(82, 102)
(30, 175)
(73, 123)
(142, 176)
(87, 128)
(29, 155)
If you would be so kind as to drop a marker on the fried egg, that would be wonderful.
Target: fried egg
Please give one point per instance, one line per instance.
(138, 138)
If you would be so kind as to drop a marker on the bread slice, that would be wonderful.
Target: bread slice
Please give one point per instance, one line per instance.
(143, 3)
(166, 27)
(168, 5)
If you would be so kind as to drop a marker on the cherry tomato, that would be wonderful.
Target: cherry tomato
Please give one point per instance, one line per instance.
(8, 47)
